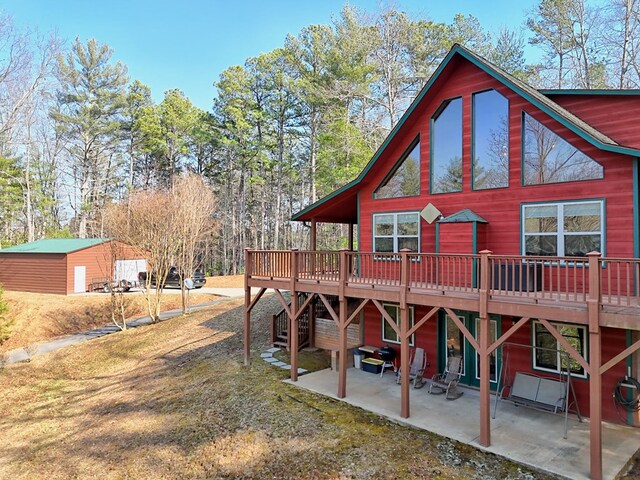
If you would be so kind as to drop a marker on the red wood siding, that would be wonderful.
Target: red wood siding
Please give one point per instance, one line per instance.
(614, 115)
(34, 272)
(456, 238)
(481, 237)
(500, 207)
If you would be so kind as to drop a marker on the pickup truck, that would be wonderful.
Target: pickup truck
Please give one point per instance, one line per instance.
(174, 279)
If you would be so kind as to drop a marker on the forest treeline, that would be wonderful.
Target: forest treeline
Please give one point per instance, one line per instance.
(285, 128)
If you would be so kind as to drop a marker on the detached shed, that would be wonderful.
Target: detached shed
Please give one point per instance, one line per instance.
(66, 265)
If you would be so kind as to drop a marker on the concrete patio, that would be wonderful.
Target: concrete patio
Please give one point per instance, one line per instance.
(521, 434)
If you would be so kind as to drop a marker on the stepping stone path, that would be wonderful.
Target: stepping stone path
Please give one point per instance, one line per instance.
(269, 358)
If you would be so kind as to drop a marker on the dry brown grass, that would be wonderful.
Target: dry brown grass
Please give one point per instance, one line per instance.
(38, 317)
(226, 281)
(173, 400)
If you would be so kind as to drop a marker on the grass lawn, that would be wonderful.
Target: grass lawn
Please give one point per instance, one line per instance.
(36, 317)
(173, 400)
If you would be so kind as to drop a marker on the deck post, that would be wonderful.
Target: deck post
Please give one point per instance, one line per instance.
(404, 338)
(484, 342)
(342, 327)
(635, 370)
(247, 311)
(350, 243)
(293, 321)
(313, 241)
(595, 360)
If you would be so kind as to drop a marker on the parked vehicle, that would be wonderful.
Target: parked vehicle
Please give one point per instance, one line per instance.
(174, 279)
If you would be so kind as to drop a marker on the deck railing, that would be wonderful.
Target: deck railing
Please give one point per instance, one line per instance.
(458, 273)
(620, 282)
(561, 279)
(525, 278)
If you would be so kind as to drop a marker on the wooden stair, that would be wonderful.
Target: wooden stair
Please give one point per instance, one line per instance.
(280, 327)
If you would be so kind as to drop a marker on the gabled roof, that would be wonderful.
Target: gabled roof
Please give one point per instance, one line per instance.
(463, 216)
(55, 245)
(538, 99)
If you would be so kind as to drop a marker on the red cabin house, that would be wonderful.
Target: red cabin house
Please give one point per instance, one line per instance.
(496, 223)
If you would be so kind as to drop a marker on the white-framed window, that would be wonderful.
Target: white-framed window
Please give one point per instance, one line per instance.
(550, 356)
(563, 229)
(393, 232)
(388, 333)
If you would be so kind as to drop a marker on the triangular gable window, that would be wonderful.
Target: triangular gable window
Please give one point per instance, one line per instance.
(548, 158)
(404, 178)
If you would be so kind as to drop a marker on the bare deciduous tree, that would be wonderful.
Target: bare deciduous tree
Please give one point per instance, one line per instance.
(194, 208)
(147, 224)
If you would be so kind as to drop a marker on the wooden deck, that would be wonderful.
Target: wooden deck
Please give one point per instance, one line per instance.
(553, 288)
(593, 291)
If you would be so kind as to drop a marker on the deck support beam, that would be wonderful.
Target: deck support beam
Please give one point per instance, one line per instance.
(404, 335)
(595, 361)
(483, 351)
(247, 308)
(293, 317)
(342, 327)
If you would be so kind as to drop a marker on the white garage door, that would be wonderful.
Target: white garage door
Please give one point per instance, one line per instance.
(128, 269)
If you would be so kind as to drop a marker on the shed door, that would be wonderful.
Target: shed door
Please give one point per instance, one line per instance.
(129, 269)
(79, 279)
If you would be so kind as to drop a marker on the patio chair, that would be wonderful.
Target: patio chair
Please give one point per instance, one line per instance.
(417, 364)
(447, 381)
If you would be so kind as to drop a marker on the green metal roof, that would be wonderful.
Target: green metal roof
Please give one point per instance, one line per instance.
(55, 245)
(465, 215)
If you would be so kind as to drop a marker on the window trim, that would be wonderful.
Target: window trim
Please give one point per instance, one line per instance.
(395, 230)
(584, 352)
(523, 152)
(432, 120)
(411, 323)
(473, 137)
(559, 235)
(405, 154)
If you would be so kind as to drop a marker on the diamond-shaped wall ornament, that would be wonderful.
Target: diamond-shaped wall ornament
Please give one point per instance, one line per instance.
(430, 213)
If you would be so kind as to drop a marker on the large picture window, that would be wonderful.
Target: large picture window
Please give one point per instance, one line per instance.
(570, 229)
(388, 333)
(393, 232)
(446, 141)
(404, 179)
(490, 140)
(548, 158)
(550, 356)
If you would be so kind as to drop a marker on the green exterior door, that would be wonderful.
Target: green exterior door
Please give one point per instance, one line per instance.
(453, 343)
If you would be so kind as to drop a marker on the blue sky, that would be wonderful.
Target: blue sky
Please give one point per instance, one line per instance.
(187, 44)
